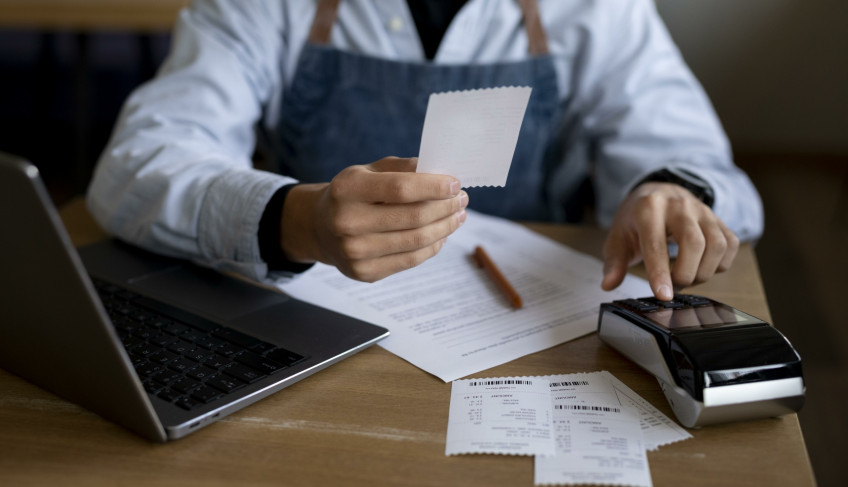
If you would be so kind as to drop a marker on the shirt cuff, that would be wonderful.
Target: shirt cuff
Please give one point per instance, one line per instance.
(269, 235)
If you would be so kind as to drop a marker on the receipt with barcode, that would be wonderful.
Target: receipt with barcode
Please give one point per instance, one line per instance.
(595, 444)
(603, 387)
(599, 440)
(599, 427)
(505, 415)
(472, 134)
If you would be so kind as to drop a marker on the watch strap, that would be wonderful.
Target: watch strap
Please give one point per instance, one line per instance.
(697, 186)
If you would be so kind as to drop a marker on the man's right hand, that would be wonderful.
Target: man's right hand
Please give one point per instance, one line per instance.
(373, 220)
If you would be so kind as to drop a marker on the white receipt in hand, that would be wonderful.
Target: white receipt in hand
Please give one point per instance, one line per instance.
(472, 134)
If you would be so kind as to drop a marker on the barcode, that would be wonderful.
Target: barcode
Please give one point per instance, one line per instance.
(581, 407)
(507, 382)
(571, 383)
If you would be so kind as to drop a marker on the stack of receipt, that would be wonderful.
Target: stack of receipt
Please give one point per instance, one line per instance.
(586, 428)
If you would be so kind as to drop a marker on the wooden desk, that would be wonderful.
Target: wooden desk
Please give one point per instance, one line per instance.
(374, 419)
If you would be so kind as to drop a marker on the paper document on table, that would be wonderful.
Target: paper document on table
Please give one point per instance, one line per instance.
(447, 317)
(472, 134)
(507, 415)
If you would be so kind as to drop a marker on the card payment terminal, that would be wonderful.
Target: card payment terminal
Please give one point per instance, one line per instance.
(715, 364)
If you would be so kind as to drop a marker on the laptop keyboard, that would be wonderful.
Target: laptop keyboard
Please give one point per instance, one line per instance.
(183, 358)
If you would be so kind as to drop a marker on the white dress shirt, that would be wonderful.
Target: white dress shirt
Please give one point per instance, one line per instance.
(177, 176)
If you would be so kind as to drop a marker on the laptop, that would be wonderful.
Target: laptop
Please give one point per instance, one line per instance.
(158, 345)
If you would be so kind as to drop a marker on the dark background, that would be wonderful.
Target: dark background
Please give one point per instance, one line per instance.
(776, 70)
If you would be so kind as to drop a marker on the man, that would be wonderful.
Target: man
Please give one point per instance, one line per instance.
(336, 89)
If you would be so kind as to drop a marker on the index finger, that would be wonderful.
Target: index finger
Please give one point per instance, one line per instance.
(654, 244)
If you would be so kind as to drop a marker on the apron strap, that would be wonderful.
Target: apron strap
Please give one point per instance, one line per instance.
(322, 24)
(325, 17)
(537, 44)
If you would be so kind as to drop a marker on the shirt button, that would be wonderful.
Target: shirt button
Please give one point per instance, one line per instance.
(395, 24)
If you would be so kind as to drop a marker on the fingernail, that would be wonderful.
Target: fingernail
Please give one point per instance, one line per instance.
(461, 216)
(463, 200)
(455, 187)
(664, 293)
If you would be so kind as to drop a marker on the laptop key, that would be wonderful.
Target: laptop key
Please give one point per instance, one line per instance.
(177, 314)
(124, 324)
(176, 329)
(162, 357)
(162, 339)
(263, 347)
(210, 343)
(200, 355)
(182, 364)
(185, 385)
(141, 316)
(225, 383)
(123, 310)
(132, 342)
(228, 350)
(144, 349)
(257, 362)
(187, 403)
(201, 324)
(169, 395)
(283, 356)
(151, 387)
(143, 333)
(167, 376)
(200, 373)
(181, 347)
(147, 369)
(242, 373)
(137, 360)
(159, 322)
(206, 394)
(193, 335)
(217, 361)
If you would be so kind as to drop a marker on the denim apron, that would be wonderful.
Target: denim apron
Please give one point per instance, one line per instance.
(345, 108)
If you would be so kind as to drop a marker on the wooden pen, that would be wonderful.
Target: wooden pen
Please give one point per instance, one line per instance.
(483, 260)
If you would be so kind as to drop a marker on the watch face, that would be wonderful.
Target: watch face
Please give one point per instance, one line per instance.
(713, 315)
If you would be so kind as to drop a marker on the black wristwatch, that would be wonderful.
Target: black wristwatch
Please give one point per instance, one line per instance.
(697, 186)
